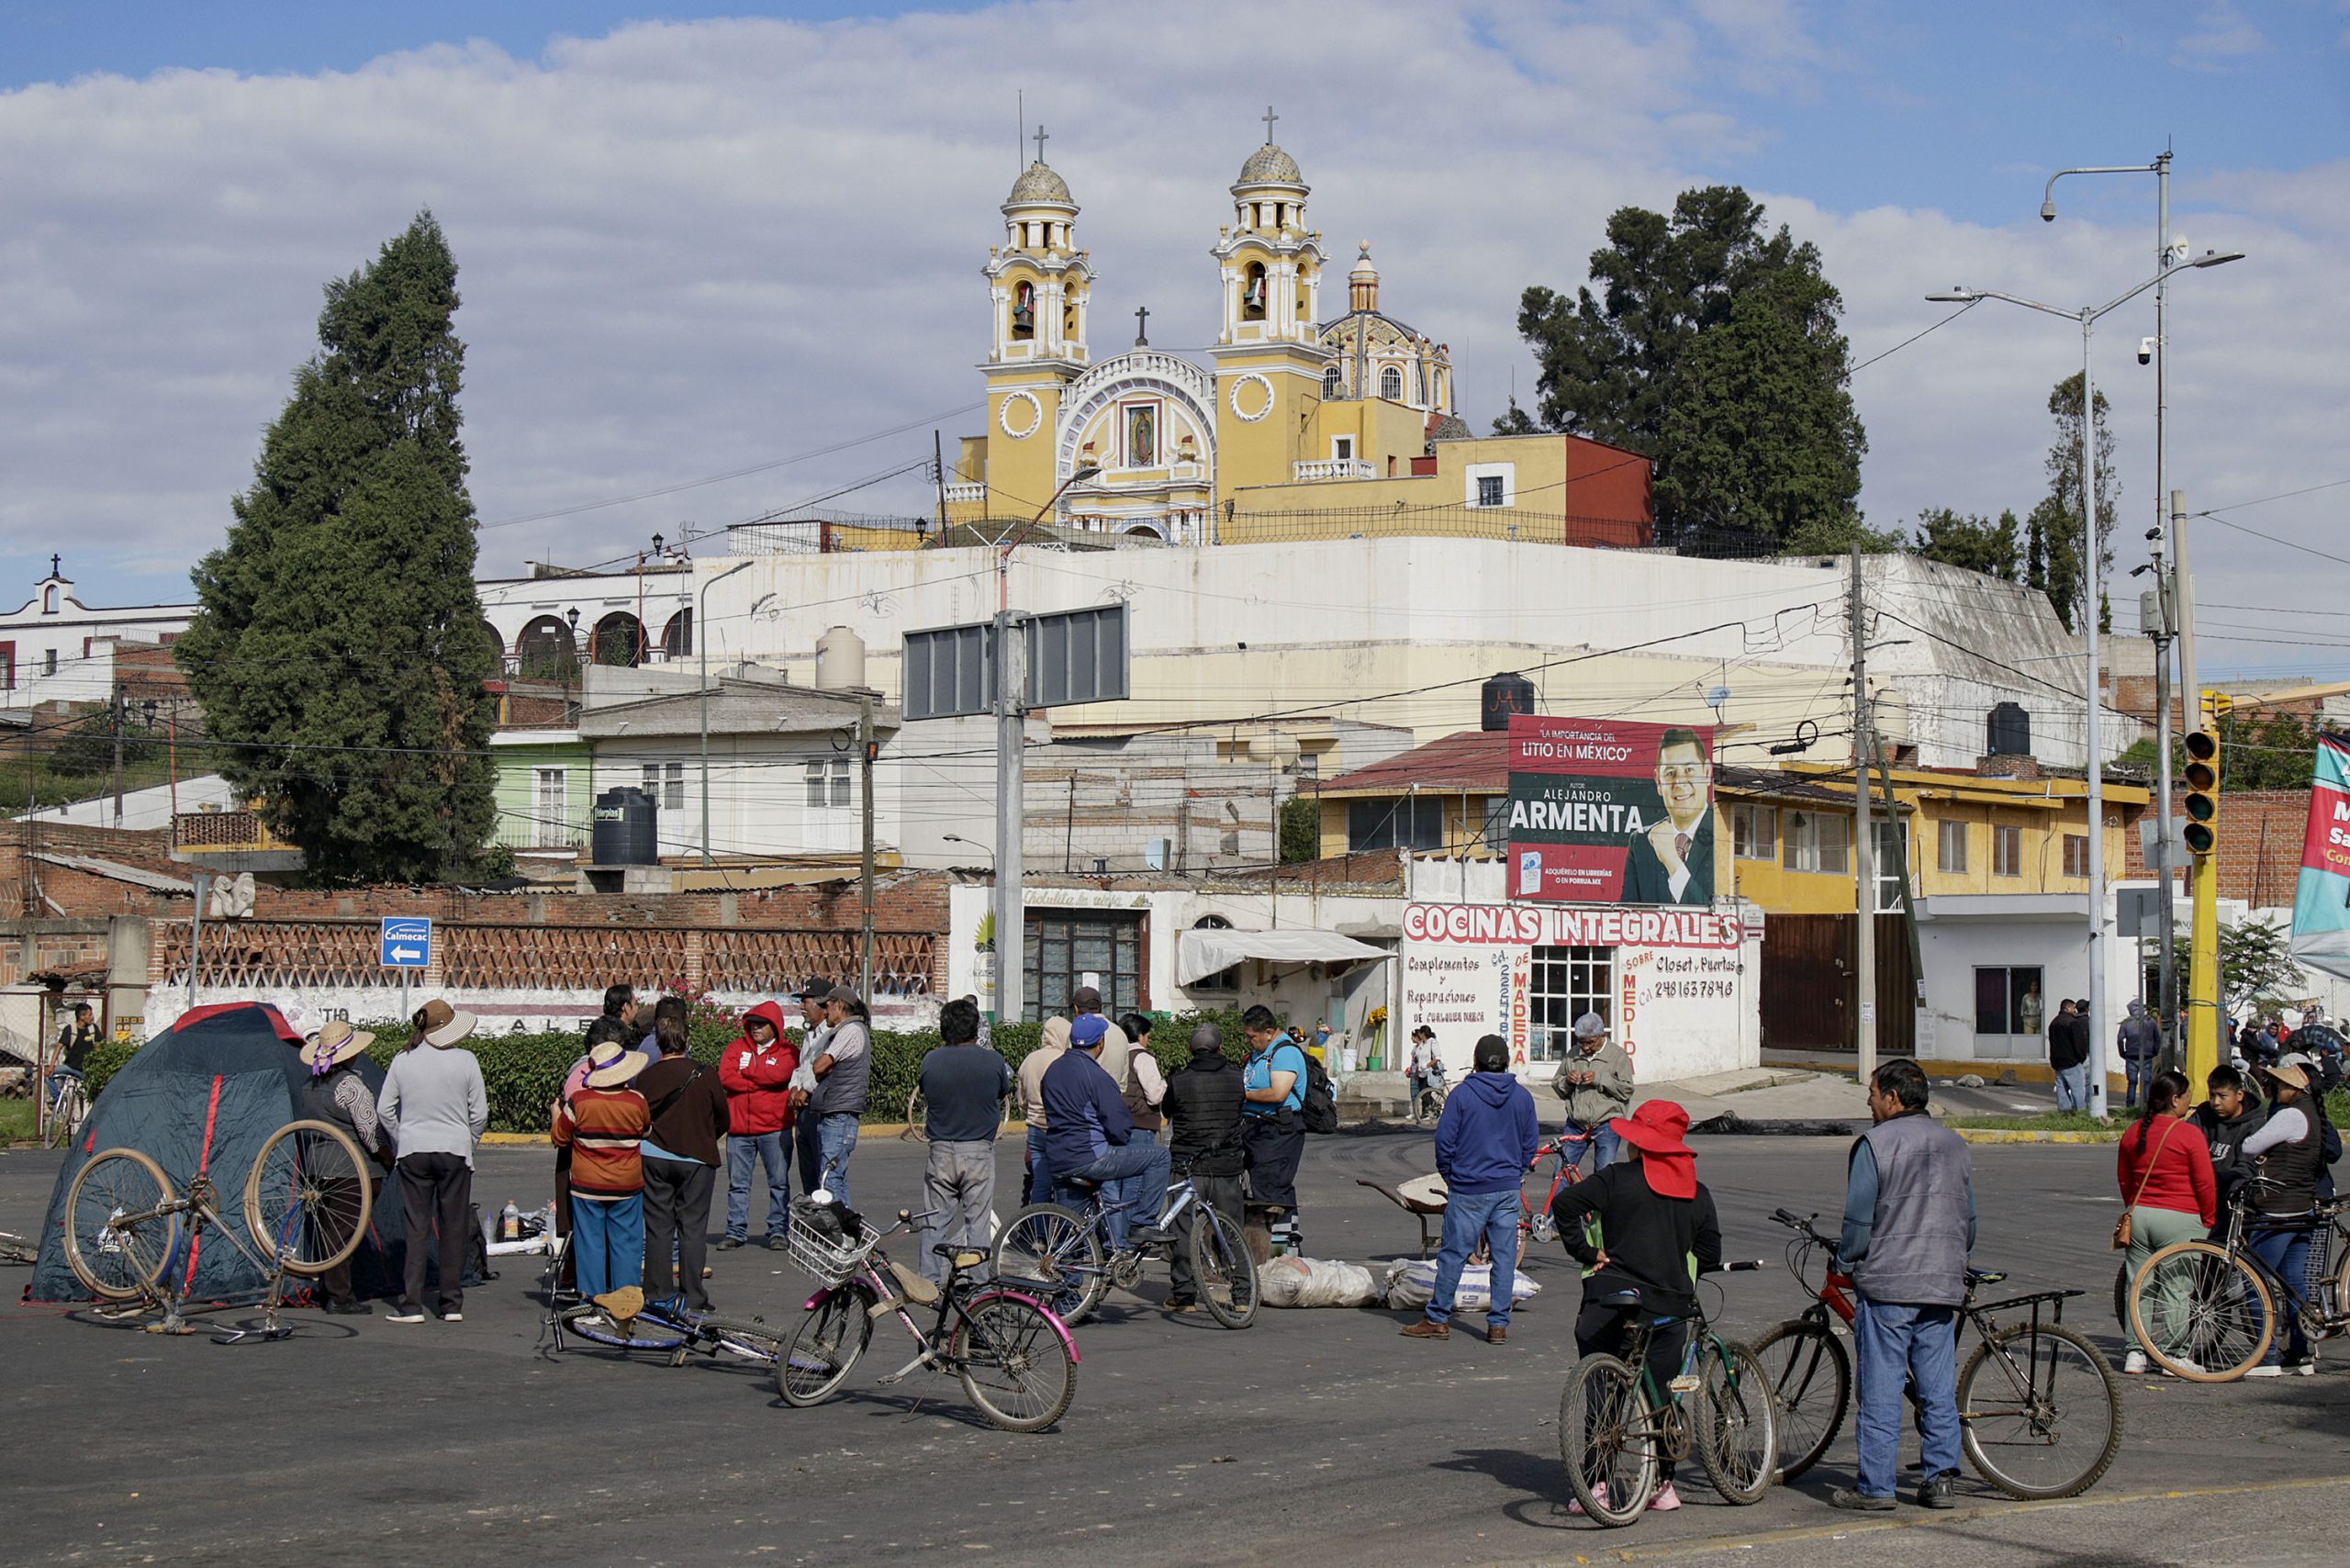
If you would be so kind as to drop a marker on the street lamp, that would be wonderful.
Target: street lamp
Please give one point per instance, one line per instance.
(2092, 574)
(702, 646)
(1004, 551)
(973, 843)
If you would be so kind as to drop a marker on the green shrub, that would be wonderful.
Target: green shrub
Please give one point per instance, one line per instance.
(106, 1061)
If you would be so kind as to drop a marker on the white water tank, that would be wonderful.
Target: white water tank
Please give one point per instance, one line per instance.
(840, 660)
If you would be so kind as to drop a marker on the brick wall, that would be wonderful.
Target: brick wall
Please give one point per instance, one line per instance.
(2260, 844)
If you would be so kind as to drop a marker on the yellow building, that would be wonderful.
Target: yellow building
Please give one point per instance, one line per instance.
(1297, 426)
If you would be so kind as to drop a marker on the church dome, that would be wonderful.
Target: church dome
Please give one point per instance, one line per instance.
(1039, 183)
(1269, 165)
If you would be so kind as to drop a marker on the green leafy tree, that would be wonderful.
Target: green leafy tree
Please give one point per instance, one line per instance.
(1301, 830)
(1975, 543)
(1752, 434)
(2256, 960)
(2055, 527)
(339, 649)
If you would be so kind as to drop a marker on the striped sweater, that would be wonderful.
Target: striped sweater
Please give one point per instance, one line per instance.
(602, 1129)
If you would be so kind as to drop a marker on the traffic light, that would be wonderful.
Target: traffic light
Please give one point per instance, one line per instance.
(2202, 777)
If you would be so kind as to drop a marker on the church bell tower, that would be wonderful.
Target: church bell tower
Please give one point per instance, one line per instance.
(1039, 288)
(1267, 357)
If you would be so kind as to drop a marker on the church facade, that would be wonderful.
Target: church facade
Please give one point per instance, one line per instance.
(1300, 414)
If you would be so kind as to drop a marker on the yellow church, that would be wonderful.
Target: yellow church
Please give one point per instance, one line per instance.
(1298, 426)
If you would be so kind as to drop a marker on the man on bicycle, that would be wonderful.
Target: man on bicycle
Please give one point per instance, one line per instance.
(1203, 1110)
(1654, 1217)
(75, 1041)
(1908, 1226)
(1595, 1081)
(1089, 1136)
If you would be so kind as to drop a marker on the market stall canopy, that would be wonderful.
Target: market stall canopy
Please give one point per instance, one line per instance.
(1204, 953)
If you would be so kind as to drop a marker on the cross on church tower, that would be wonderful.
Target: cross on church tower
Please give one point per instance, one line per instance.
(1041, 134)
(1142, 326)
(1269, 119)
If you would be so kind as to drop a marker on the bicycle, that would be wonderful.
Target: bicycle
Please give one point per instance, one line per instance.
(63, 1105)
(2222, 1314)
(624, 1320)
(1565, 1151)
(18, 1249)
(1067, 1249)
(1015, 1359)
(1427, 1099)
(306, 1200)
(2020, 1410)
(1618, 1428)
(917, 1128)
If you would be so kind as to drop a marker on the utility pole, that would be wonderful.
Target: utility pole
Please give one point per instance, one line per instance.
(2167, 954)
(701, 649)
(114, 710)
(203, 882)
(2092, 602)
(938, 472)
(1863, 843)
(864, 749)
(1011, 815)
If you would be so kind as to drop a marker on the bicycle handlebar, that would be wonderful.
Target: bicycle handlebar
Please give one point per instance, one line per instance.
(1741, 1267)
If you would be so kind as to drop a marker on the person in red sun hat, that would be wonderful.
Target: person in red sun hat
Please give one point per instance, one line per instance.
(1654, 1216)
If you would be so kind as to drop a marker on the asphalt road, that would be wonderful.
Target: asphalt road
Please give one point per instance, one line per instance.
(1317, 1437)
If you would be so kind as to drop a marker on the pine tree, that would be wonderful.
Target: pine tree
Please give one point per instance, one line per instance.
(2058, 515)
(1975, 543)
(339, 651)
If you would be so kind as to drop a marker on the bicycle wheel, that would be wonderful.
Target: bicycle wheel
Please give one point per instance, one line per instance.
(745, 1336)
(2047, 1422)
(2203, 1313)
(1049, 1244)
(65, 1116)
(917, 1118)
(2121, 1294)
(307, 1197)
(593, 1324)
(1737, 1423)
(116, 1242)
(2336, 1301)
(1222, 1270)
(1811, 1373)
(1606, 1440)
(1014, 1366)
(824, 1347)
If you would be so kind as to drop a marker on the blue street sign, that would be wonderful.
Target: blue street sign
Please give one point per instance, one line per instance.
(407, 942)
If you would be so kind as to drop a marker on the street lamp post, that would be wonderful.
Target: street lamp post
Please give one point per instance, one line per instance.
(702, 646)
(2092, 588)
(1011, 805)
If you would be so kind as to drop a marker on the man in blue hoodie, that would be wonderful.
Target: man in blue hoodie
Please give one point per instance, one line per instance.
(1088, 1135)
(1484, 1141)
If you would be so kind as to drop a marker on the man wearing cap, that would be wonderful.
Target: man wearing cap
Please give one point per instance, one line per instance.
(1484, 1141)
(2140, 1041)
(1654, 1217)
(435, 1100)
(842, 1069)
(814, 1030)
(2287, 1151)
(1595, 1082)
(1090, 1136)
(1204, 1143)
(604, 1126)
(1908, 1226)
(337, 1095)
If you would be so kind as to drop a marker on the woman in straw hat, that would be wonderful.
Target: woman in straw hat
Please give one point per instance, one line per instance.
(603, 1124)
(1654, 1216)
(435, 1103)
(337, 1095)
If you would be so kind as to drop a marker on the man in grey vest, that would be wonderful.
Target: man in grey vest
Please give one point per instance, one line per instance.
(1908, 1226)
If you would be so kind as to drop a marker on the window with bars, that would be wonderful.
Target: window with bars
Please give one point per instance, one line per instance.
(1490, 490)
(2007, 850)
(1390, 385)
(828, 782)
(1949, 848)
(1562, 984)
(1067, 949)
(1754, 831)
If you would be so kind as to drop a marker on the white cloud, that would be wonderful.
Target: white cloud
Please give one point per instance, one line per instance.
(2224, 35)
(690, 248)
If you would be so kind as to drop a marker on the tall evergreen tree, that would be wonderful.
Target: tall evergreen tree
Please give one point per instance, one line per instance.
(2057, 518)
(339, 651)
(1975, 543)
(1769, 398)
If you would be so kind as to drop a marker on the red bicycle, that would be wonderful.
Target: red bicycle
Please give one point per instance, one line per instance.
(1564, 1152)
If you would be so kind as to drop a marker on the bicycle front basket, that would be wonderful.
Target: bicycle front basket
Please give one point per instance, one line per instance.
(829, 1258)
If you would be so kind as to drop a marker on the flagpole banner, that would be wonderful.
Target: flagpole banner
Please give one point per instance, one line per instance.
(2321, 897)
(1607, 812)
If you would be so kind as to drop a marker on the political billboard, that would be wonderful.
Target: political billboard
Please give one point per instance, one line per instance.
(1603, 811)
(2321, 897)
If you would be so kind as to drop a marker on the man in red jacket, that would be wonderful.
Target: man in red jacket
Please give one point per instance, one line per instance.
(755, 1071)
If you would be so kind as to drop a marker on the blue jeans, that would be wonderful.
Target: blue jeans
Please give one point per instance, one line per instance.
(1922, 1343)
(2286, 1253)
(1467, 1217)
(2072, 1088)
(1600, 1145)
(1036, 1181)
(607, 1242)
(746, 1152)
(2141, 1073)
(825, 1144)
(1147, 1163)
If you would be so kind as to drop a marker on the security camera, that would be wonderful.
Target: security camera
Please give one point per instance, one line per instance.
(2145, 351)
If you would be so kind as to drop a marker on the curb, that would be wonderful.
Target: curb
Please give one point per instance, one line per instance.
(2022, 1134)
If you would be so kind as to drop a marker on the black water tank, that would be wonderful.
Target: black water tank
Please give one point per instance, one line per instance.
(2008, 732)
(626, 830)
(1506, 693)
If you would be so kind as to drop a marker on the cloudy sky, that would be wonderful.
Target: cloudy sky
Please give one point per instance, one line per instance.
(710, 264)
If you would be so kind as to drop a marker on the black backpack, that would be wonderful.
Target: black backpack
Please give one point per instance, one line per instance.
(1319, 1109)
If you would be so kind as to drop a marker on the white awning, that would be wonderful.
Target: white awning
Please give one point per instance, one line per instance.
(1204, 953)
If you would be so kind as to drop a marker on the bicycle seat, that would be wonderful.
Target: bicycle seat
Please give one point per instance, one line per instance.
(1626, 1299)
(1984, 1277)
(623, 1303)
(961, 1257)
(1082, 1183)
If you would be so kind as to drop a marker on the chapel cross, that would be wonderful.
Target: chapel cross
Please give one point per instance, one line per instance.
(1142, 326)
(1041, 134)
(52, 572)
(1269, 119)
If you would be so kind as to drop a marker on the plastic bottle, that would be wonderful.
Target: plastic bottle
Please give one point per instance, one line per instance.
(510, 1223)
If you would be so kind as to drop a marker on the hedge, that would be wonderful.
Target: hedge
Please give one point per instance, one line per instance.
(522, 1073)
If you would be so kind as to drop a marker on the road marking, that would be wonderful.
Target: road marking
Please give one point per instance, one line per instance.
(1858, 1526)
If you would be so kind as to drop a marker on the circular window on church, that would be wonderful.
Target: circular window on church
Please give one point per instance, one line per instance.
(1252, 398)
(1031, 415)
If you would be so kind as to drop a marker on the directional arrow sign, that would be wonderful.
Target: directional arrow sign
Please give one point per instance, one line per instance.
(406, 942)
